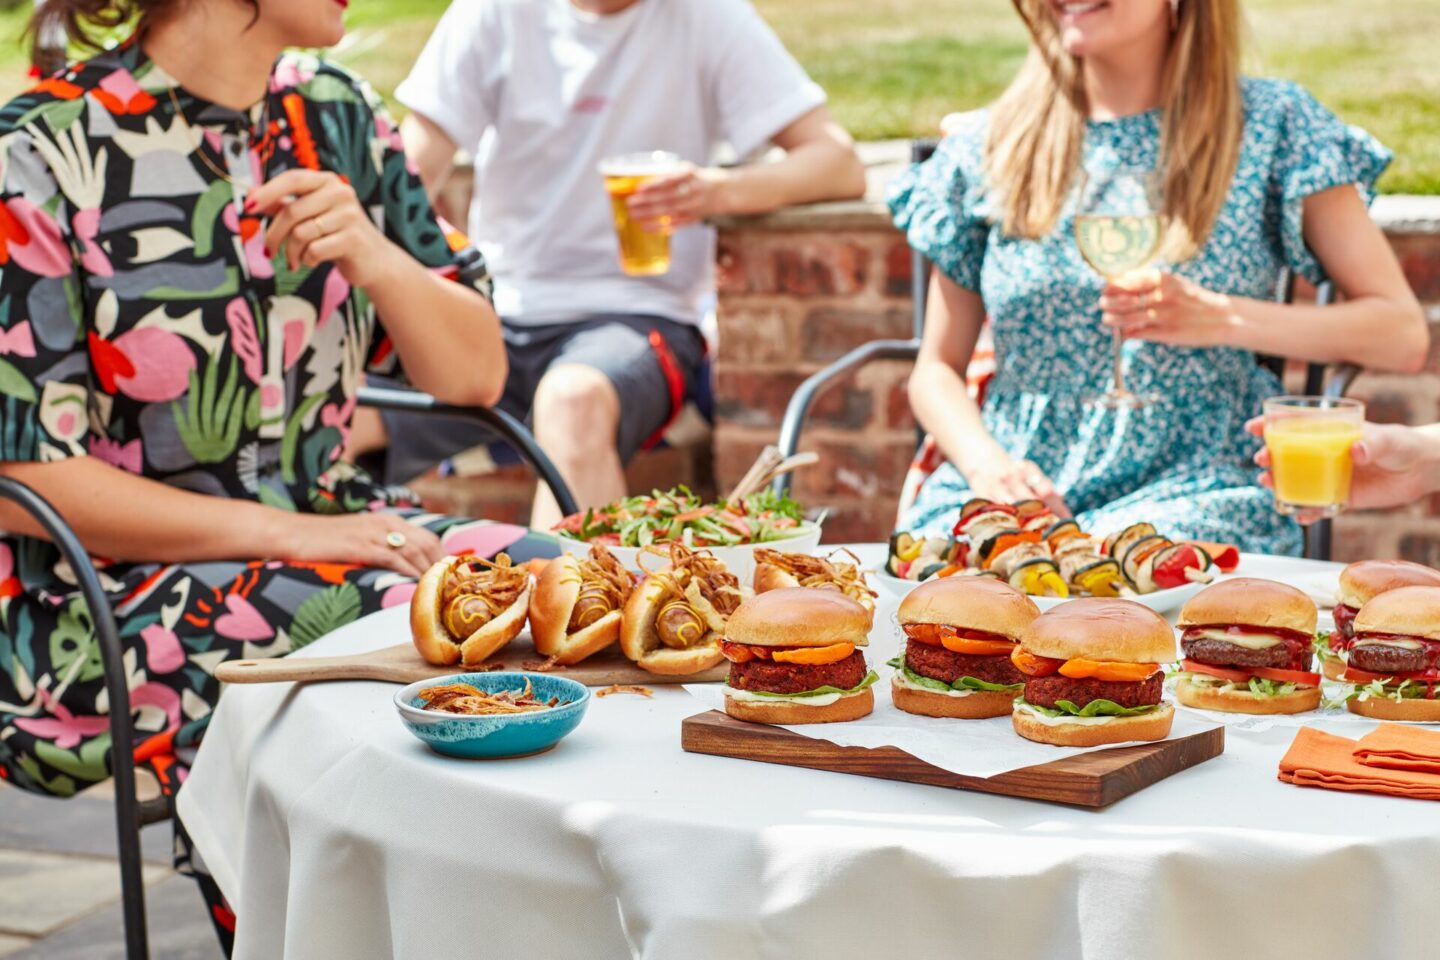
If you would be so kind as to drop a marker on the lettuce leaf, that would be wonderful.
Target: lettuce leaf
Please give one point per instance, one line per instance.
(962, 683)
(1095, 708)
(1321, 646)
(1259, 687)
(1404, 690)
(870, 678)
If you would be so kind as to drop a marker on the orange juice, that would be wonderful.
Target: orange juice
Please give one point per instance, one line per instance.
(1310, 459)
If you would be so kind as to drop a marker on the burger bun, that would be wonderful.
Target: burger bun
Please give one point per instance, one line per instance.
(1154, 725)
(974, 603)
(1243, 701)
(434, 641)
(1101, 628)
(1250, 602)
(978, 705)
(851, 706)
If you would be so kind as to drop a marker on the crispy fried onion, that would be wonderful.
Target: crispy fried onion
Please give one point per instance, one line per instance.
(700, 595)
(477, 591)
(824, 573)
(625, 688)
(464, 699)
(605, 585)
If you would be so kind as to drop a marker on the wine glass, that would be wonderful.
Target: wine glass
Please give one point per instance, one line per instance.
(1118, 230)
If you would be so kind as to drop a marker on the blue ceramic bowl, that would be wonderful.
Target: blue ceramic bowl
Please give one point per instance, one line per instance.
(495, 735)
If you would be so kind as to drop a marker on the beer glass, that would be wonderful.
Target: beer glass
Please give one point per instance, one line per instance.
(643, 253)
(1309, 440)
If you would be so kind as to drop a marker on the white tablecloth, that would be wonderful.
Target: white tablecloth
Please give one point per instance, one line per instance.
(336, 834)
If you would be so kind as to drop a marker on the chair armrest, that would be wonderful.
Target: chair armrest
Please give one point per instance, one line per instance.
(1339, 379)
(512, 430)
(799, 406)
(122, 749)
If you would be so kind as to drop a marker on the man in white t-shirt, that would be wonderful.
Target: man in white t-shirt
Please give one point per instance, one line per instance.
(539, 92)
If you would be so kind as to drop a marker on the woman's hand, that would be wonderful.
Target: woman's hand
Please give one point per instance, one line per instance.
(1394, 465)
(360, 538)
(678, 199)
(1006, 481)
(1165, 308)
(317, 218)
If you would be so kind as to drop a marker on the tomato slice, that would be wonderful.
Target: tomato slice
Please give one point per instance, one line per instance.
(1301, 677)
(996, 648)
(1031, 665)
(833, 653)
(1107, 670)
(1365, 676)
(1224, 673)
(736, 652)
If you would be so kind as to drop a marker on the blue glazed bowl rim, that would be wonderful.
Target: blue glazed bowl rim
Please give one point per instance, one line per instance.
(577, 705)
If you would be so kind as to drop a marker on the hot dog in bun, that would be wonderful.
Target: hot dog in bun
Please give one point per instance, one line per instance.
(466, 608)
(775, 570)
(673, 622)
(575, 607)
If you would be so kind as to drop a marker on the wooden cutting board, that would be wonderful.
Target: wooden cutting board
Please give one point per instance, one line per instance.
(402, 663)
(1095, 779)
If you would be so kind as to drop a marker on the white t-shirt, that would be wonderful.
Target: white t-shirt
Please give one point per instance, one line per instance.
(540, 92)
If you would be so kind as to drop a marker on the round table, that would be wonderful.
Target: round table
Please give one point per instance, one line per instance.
(335, 834)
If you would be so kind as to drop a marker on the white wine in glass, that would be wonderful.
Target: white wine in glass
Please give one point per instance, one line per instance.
(1118, 229)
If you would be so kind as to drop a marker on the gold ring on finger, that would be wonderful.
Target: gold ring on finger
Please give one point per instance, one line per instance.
(395, 539)
(1150, 313)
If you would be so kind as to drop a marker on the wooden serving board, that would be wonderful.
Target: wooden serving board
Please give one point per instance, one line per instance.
(1095, 779)
(402, 664)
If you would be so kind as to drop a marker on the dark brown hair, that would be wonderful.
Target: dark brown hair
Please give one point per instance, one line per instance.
(82, 20)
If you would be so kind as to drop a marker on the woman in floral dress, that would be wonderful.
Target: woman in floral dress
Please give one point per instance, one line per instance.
(1257, 177)
(204, 245)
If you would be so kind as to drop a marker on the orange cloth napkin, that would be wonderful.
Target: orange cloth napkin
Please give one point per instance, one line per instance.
(1319, 759)
(1225, 555)
(1400, 748)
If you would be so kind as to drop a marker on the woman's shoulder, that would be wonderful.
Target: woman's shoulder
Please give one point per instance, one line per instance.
(316, 78)
(1272, 102)
(65, 96)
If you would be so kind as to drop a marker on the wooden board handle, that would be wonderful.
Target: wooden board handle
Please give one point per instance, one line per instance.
(282, 669)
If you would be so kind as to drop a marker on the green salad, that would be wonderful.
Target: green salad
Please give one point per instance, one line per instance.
(679, 515)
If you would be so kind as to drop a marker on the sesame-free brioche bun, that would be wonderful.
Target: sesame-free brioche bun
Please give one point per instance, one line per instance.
(640, 641)
(1365, 580)
(434, 641)
(977, 705)
(552, 603)
(851, 706)
(975, 603)
(1249, 602)
(1243, 701)
(1332, 669)
(799, 617)
(1154, 725)
(1101, 628)
(1382, 708)
(1405, 611)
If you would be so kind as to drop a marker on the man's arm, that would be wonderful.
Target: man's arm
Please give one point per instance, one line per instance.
(430, 149)
(820, 163)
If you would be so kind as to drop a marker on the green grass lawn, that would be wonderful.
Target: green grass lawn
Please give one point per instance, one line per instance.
(894, 67)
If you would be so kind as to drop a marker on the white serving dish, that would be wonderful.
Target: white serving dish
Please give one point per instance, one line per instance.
(738, 560)
(1161, 601)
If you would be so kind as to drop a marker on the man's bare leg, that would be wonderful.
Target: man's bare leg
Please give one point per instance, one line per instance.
(577, 416)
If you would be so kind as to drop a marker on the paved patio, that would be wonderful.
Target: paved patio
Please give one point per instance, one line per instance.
(60, 885)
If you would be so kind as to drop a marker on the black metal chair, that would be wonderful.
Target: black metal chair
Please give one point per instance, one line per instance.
(1319, 379)
(130, 813)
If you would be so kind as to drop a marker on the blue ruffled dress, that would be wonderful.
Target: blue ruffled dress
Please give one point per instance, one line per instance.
(1183, 463)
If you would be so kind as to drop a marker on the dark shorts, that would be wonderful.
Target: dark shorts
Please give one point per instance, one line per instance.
(618, 345)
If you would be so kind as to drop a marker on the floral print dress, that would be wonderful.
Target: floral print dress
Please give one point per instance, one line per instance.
(142, 323)
(1183, 463)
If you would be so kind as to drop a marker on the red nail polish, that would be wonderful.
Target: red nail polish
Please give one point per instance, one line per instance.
(268, 254)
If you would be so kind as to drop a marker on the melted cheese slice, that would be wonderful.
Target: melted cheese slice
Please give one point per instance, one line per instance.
(1250, 641)
(1389, 642)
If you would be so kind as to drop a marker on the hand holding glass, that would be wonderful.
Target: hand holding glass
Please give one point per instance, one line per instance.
(1309, 440)
(1118, 230)
(643, 253)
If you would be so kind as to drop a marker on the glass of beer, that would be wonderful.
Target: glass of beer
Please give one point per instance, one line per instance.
(1309, 440)
(643, 253)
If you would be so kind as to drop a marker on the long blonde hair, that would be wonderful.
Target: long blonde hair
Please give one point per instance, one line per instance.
(1032, 150)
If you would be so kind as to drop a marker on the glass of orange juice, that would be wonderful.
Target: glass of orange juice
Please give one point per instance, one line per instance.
(643, 253)
(1309, 440)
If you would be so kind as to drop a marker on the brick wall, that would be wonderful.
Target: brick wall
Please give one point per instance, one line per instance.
(800, 288)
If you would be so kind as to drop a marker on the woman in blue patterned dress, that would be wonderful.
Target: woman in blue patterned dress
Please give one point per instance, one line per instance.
(1256, 177)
